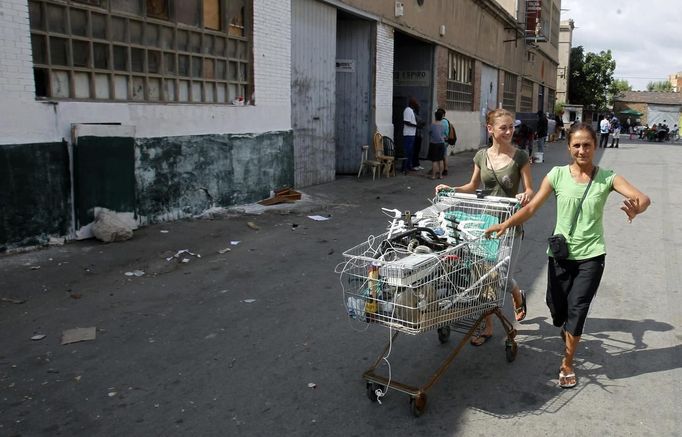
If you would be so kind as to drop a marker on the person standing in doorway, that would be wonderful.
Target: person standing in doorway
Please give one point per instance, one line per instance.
(409, 133)
(417, 139)
(542, 131)
(604, 127)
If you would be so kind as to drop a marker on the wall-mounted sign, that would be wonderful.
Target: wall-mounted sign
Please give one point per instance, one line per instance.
(411, 78)
(345, 66)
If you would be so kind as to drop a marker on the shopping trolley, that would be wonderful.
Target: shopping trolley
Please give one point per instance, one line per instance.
(432, 270)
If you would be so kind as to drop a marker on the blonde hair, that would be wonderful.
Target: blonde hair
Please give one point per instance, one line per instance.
(495, 114)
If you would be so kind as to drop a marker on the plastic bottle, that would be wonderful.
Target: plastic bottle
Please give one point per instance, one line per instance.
(373, 282)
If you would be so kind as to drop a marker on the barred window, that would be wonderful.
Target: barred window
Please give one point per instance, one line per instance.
(460, 89)
(551, 100)
(509, 94)
(526, 96)
(195, 51)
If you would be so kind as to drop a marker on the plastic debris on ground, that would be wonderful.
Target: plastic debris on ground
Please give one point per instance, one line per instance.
(137, 273)
(183, 252)
(249, 300)
(38, 337)
(283, 195)
(253, 226)
(319, 218)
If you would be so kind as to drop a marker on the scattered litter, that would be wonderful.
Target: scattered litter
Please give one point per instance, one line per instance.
(312, 385)
(163, 231)
(231, 365)
(283, 195)
(12, 300)
(249, 300)
(38, 337)
(137, 273)
(294, 226)
(331, 252)
(35, 267)
(222, 251)
(235, 242)
(185, 260)
(223, 291)
(253, 226)
(52, 371)
(78, 378)
(112, 394)
(75, 295)
(210, 336)
(78, 334)
(318, 218)
(181, 252)
(109, 227)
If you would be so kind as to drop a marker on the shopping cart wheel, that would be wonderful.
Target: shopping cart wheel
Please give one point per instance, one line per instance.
(444, 334)
(372, 388)
(511, 348)
(418, 404)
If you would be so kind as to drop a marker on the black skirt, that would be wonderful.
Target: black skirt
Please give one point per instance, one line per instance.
(436, 152)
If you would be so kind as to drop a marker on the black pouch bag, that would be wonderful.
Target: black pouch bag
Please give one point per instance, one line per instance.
(557, 242)
(558, 246)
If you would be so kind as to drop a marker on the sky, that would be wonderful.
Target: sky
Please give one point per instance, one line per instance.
(645, 37)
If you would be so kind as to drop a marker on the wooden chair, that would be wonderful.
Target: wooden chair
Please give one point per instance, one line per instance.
(386, 161)
(368, 163)
(390, 150)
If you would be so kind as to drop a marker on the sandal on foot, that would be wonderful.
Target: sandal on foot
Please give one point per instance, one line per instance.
(567, 380)
(480, 339)
(521, 308)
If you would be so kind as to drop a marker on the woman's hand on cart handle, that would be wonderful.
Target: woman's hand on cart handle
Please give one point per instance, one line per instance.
(499, 230)
(440, 187)
(525, 197)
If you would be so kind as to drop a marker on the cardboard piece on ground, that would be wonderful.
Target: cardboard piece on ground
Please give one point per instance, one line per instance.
(78, 334)
(284, 195)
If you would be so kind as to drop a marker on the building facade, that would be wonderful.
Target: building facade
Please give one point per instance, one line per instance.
(162, 109)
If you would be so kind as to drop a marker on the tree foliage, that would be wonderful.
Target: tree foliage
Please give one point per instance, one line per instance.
(618, 86)
(591, 78)
(663, 85)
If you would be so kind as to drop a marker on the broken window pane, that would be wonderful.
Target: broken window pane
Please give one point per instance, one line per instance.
(130, 6)
(81, 53)
(187, 12)
(235, 17)
(157, 9)
(212, 14)
(99, 26)
(137, 60)
(56, 18)
(118, 29)
(60, 84)
(35, 11)
(79, 22)
(153, 61)
(39, 49)
(40, 75)
(101, 54)
(121, 58)
(135, 31)
(59, 51)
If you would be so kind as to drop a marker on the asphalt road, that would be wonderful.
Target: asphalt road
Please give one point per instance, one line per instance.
(255, 341)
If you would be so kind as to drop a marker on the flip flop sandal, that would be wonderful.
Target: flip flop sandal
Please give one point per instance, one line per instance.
(567, 380)
(480, 339)
(521, 308)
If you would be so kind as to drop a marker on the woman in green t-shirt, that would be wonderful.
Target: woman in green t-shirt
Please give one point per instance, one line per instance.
(500, 168)
(572, 282)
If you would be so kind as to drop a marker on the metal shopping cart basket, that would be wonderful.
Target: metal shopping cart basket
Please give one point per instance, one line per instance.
(434, 271)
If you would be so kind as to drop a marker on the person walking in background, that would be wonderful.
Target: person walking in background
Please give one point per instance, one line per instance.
(418, 138)
(615, 128)
(542, 131)
(559, 125)
(574, 272)
(438, 133)
(604, 127)
(409, 133)
(501, 168)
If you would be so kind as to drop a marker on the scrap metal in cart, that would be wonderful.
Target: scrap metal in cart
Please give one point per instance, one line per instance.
(433, 270)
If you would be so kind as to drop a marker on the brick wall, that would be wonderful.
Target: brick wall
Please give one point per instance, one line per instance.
(384, 80)
(16, 65)
(272, 51)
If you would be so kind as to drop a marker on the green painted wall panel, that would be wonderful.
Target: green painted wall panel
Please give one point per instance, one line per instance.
(34, 193)
(104, 175)
(181, 176)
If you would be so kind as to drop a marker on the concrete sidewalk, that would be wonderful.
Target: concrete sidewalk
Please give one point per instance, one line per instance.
(255, 341)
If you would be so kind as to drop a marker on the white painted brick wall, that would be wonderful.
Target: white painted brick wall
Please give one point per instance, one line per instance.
(272, 51)
(16, 65)
(384, 79)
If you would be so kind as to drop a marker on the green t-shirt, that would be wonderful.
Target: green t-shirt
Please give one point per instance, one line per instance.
(509, 176)
(588, 236)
